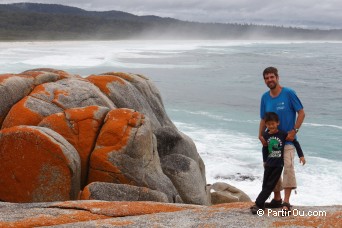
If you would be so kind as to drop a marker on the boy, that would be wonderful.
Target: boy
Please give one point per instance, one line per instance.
(273, 158)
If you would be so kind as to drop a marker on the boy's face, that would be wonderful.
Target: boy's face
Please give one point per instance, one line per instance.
(272, 126)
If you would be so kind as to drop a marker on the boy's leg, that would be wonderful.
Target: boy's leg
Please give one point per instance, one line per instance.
(276, 202)
(271, 177)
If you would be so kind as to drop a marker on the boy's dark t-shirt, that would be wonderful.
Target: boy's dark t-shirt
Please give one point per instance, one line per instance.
(273, 153)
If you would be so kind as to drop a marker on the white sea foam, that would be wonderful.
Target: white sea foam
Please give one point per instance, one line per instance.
(65, 60)
(214, 116)
(323, 125)
(91, 54)
(80, 54)
(236, 159)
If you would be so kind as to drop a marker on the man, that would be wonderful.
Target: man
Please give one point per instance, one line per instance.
(287, 105)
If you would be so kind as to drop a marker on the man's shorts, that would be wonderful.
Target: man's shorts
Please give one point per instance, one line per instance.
(289, 177)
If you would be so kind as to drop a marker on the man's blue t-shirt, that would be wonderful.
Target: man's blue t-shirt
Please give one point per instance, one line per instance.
(286, 105)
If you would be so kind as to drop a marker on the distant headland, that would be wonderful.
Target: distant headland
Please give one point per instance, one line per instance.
(35, 21)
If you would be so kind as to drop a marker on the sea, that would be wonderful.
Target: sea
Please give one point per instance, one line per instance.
(211, 90)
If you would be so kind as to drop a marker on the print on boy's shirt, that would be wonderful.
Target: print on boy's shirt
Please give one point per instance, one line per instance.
(274, 147)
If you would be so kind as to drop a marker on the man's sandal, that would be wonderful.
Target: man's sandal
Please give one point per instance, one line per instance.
(286, 211)
(274, 204)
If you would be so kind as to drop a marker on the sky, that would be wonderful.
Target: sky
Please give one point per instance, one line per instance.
(321, 14)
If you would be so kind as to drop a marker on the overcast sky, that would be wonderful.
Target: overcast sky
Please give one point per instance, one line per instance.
(322, 14)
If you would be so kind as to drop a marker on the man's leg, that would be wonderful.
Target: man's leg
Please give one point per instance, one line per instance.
(289, 178)
(277, 196)
(287, 194)
(277, 189)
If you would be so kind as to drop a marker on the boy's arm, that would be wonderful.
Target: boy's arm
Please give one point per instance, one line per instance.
(299, 152)
(298, 148)
(264, 153)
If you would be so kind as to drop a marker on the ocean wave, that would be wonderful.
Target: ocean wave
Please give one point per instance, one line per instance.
(322, 125)
(214, 116)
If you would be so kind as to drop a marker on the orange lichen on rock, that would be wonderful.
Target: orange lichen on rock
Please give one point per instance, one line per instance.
(122, 75)
(37, 72)
(57, 93)
(34, 74)
(108, 175)
(40, 89)
(117, 128)
(79, 126)
(85, 194)
(34, 167)
(21, 115)
(235, 205)
(121, 208)
(113, 138)
(50, 220)
(332, 219)
(102, 81)
(4, 77)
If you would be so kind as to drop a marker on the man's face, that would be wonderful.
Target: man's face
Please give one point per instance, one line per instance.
(271, 80)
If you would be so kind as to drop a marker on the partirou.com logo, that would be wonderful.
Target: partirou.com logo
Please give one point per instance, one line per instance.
(294, 212)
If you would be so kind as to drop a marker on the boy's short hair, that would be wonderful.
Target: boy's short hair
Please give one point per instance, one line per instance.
(271, 116)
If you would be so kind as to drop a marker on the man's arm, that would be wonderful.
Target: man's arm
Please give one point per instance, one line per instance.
(298, 124)
(262, 128)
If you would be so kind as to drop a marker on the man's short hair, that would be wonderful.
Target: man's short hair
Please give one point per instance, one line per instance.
(270, 70)
(271, 116)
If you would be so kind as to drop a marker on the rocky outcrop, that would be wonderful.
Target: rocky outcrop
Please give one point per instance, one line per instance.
(90, 213)
(61, 132)
(121, 192)
(226, 193)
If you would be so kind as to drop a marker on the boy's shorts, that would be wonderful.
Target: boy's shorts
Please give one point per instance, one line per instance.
(289, 177)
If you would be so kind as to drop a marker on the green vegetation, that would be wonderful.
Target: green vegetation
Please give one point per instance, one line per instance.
(29, 21)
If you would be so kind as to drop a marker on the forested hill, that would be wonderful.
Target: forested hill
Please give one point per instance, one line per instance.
(33, 21)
